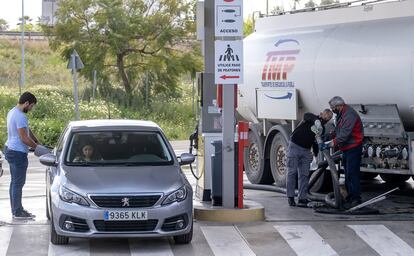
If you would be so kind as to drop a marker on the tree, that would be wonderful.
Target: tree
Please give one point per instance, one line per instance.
(277, 10)
(136, 42)
(328, 2)
(248, 26)
(28, 25)
(310, 4)
(3, 25)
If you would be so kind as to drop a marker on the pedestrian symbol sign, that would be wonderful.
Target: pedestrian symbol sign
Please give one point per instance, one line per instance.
(229, 62)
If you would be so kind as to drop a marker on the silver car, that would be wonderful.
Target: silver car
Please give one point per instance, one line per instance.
(117, 178)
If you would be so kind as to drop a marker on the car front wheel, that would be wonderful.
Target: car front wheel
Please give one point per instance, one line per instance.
(186, 238)
(55, 238)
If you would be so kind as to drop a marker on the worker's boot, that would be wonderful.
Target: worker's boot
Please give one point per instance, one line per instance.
(303, 203)
(291, 201)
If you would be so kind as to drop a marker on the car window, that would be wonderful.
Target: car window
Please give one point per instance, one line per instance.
(117, 148)
(59, 146)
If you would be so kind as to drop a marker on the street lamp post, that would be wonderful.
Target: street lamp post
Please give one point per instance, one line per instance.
(22, 71)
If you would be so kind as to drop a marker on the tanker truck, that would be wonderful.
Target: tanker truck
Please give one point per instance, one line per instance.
(296, 62)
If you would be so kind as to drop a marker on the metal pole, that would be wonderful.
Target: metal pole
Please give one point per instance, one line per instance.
(228, 146)
(75, 85)
(267, 7)
(53, 12)
(22, 71)
(94, 85)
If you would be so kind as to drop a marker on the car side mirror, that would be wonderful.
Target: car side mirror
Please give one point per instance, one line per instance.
(186, 158)
(48, 160)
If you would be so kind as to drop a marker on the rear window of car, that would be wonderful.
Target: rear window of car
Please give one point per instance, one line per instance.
(117, 148)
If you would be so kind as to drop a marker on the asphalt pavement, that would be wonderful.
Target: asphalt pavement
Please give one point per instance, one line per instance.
(286, 231)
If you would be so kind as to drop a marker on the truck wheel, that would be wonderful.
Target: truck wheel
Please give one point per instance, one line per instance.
(278, 159)
(255, 166)
(368, 175)
(324, 183)
(394, 178)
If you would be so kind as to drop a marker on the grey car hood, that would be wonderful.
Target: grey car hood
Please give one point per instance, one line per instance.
(115, 179)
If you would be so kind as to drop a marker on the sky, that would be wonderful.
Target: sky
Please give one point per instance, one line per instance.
(10, 10)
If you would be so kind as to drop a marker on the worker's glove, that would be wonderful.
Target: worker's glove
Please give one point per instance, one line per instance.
(325, 145)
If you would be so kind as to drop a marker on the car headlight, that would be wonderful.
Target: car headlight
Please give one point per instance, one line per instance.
(71, 197)
(176, 196)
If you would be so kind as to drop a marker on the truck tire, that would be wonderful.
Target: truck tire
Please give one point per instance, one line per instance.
(394, 178)
(278, 159)
(255, 166)
(368, 175)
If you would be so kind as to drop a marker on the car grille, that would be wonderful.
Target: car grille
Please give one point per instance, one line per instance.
(125, 226)
(119, 202)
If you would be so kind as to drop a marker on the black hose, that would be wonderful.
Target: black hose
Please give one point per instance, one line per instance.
(332, 199)
(264, 187)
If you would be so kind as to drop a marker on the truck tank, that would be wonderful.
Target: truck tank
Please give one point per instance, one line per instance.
(364, 54)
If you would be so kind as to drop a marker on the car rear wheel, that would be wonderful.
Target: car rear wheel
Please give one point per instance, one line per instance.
(55, 238)
(47, 209)
(186, 238)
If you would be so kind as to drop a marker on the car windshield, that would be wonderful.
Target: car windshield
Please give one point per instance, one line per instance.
(117, 148)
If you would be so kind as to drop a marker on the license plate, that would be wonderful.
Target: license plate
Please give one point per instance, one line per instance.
(125, 215)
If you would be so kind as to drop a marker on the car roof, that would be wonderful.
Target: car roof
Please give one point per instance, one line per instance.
(114, 124)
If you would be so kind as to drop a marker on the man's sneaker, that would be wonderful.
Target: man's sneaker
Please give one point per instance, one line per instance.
(291, 201)
(31, 214)
(303, 203)
(22, 215)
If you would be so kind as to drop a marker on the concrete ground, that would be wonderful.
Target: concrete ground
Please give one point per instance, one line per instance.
(286, 231)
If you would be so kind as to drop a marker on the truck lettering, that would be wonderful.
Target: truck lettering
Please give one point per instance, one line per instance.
(279, 64)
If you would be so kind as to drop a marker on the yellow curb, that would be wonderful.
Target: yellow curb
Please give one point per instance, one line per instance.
(251, 212)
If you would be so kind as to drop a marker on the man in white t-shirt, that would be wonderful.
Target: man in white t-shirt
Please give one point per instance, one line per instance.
(19, 139)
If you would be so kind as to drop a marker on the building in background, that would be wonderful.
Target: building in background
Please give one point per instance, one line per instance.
(49, 8)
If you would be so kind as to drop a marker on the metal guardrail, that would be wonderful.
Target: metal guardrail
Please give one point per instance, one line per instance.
(29, 35)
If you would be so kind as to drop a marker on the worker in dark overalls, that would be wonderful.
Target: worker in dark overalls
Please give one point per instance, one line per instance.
(299, 156)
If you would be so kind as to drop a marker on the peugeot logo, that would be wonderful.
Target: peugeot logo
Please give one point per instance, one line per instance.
(125, 202)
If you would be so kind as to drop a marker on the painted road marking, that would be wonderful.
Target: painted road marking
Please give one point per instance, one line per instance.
(382, 240)
(304, 240)
(226, 241)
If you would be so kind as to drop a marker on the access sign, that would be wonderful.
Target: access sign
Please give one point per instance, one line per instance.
(229, 18)
(229, 62)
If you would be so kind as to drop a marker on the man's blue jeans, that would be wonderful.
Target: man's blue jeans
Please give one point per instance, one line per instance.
(18, 163)
(352, 160)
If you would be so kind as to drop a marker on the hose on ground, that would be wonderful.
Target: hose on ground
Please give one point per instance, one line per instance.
(332, 199)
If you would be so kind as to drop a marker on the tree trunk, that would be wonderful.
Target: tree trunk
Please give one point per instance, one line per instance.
(122, 74)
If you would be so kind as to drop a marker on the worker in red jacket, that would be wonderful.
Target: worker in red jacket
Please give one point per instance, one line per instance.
(348, 137)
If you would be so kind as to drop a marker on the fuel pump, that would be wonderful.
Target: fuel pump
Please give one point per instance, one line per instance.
(209, 129)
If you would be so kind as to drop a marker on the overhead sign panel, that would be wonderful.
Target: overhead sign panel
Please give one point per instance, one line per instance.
(276, 103)
(229, 62)
(229, 18)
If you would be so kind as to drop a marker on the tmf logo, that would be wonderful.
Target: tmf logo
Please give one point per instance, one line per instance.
(279, 63)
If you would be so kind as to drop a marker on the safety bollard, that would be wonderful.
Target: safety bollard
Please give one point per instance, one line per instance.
(243, 132)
